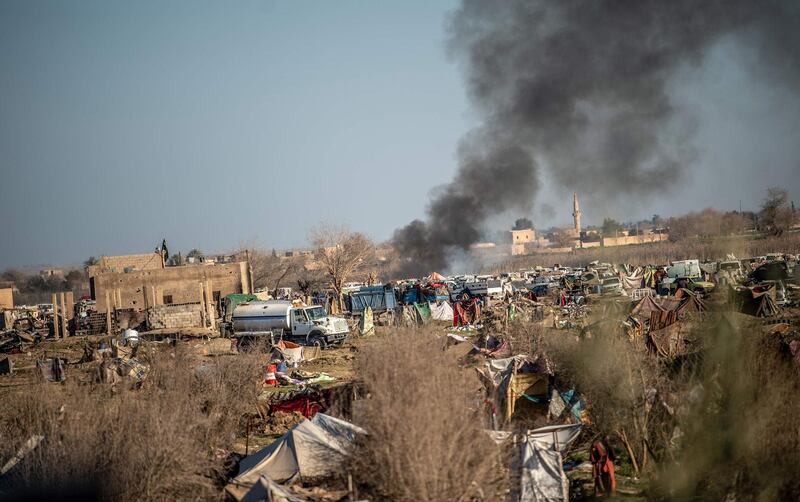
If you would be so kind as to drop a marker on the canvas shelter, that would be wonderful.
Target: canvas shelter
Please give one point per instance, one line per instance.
(542, 476)
(312, 449)
(756, 301)
(441, 311)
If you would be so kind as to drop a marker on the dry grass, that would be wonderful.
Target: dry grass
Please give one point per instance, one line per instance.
(161, 442)
(425, 438)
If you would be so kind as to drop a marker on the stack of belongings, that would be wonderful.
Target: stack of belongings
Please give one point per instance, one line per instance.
(123, 363)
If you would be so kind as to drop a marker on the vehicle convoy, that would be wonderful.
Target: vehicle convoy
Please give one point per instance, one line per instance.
(304, 325)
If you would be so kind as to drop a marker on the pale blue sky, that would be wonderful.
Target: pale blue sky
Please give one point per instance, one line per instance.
(219, 123)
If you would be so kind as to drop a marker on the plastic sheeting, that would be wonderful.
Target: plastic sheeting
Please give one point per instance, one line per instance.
(441, 311)
(558, 437)
(543, 477)
(266, 490)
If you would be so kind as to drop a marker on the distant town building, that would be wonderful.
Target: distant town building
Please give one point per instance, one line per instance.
(47, 273)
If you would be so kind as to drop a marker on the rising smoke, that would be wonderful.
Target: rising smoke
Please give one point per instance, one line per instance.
(581, 88)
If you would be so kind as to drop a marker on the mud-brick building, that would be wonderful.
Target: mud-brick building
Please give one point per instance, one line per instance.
(133, 282)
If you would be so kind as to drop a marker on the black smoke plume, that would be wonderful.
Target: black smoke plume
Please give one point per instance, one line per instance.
(581, 88)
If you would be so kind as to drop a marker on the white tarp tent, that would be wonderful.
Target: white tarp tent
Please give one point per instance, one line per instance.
(543, 477)
(266, 490)
(441, 311)
(311, 449)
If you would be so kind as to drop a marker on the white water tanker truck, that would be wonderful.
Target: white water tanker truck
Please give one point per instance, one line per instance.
(304, 325)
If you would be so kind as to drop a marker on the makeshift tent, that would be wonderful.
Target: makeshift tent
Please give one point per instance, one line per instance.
(435, 277)
(690, 302)
(266, 490)
(632, 281)
(423, 312)
(441, 311)
(543, 477)
(312, 449)
(756, 301)
(513, 381)
(667, 341)
(646, 306)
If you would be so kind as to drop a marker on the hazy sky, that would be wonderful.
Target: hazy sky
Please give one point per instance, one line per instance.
(213, 124)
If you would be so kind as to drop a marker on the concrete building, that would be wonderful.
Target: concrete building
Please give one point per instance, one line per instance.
(150, 286)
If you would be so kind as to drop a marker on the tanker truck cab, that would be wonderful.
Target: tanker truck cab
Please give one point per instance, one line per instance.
(304, 325)
(313, 326)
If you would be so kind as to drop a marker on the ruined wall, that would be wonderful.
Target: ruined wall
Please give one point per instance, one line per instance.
(142, 289)
(6, 298)
(188, 315)
(625, 240)
(121, 263)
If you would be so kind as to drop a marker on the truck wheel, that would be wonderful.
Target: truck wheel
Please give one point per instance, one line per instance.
(317, 341)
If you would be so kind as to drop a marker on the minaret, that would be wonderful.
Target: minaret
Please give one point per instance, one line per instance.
(576, 214)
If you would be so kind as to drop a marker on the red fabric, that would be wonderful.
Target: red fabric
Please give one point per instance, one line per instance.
(308, 406)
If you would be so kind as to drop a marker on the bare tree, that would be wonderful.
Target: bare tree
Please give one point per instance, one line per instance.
(776, 214)
(270, 270)
(563, 239)
(341, 253)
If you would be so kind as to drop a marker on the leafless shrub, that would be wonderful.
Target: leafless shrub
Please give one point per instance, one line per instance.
(615, 377)
(740, 434)
(425, 440)
(157, 443)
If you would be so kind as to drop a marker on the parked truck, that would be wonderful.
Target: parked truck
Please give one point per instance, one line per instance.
(304, 325)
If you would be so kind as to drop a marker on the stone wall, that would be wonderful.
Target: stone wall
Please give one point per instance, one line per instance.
(188, 315)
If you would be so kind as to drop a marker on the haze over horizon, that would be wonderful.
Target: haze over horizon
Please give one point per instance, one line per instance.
(212, 125)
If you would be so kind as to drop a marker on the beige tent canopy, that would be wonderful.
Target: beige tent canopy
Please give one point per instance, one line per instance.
(313, 448)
